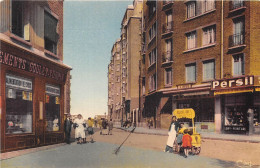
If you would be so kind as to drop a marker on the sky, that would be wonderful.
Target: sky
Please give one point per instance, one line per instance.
(90, 30)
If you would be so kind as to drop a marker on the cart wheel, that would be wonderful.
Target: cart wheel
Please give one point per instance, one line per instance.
(197, 151)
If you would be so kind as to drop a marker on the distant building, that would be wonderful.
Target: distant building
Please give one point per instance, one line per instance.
(123, 75)
(33, 75)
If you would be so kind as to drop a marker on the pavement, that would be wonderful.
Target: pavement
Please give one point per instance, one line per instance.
(101, 155)
(204, 135)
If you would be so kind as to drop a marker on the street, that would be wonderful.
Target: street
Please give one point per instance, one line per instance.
(140, 150)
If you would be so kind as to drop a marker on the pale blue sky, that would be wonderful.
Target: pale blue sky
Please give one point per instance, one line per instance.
(90, 30)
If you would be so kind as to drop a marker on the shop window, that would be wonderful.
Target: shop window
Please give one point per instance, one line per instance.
(208, 70)
(52, 107)
(190, 72)
(236, 116)
(50, 33)
(19, 105)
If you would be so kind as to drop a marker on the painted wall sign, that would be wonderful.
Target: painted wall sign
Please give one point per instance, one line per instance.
(17, 82)
(233, 83)
(29, 66)
(53, 90)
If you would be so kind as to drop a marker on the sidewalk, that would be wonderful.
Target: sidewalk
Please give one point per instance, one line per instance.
(12, 154)
(204, 135)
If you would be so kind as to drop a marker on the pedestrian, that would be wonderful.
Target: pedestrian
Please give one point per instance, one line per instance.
(110, 127)
(149, 123)
(172, 135)
(85, 125)
(180, 135)
(186, 142)
(79, 131)
(100, 126)
(90, 129)
(67, 128)
(104, 124)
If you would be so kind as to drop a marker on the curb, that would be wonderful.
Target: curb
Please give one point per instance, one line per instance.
(204, 137)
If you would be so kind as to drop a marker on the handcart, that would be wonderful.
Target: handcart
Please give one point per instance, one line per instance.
(189, 113)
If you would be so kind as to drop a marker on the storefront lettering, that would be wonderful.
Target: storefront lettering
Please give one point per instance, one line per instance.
(20, 63)
(230, 83)
(52, 90)
(18, 82)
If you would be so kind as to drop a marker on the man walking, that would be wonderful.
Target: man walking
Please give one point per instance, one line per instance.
(67, 128)
(110, 127)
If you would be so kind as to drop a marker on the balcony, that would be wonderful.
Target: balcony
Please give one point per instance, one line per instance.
(167, 57)
(167, 28)
(167, 4)
(237, 41)
(237, 4)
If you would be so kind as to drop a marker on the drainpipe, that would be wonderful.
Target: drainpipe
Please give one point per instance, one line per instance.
(222, 38)
(156, 72)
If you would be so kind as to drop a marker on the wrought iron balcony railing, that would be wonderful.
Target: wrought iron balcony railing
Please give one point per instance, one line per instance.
(237, 39)
(167, 57)
(167, 27)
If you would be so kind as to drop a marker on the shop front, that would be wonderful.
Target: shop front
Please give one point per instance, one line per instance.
(200, 99)
(32, 99)
(239, 104)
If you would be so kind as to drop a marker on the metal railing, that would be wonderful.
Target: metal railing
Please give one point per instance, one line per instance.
(167, 57)
(236, 4)
(237, 39)
(167, 27)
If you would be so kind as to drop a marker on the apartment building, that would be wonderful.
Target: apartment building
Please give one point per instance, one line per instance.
(126, 103)
(33, 76)
(201, 55)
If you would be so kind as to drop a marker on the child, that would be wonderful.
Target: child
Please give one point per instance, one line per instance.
(179, 136)
(186, 142)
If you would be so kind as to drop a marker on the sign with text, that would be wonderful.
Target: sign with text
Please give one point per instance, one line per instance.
(30, 66)
(184, 113)
(52, 90)
(18, 82)
(232, 83)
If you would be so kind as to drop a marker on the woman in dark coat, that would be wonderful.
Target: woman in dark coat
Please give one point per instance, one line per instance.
(67, 129)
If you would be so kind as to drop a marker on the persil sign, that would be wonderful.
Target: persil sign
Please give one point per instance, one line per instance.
(233, 83)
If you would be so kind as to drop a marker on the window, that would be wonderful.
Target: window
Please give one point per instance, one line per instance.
(237, 3)
(208, 5)
(238, 64)
(152, 82)
(238, 29)
(52, 107)
(117, 56)
(191, 40)
(195, 8)
(191, 9)
(50, 33)
(191, 72)
(118, 67)
(19, 105)
(20, 25)
(168, 56)
(168, 76)
(143, 85)
(118, 78)
(208, 70)
(124, 72)
(152, 32)
(152, 57)
(169, 21)
(152, 8)
(209, 35)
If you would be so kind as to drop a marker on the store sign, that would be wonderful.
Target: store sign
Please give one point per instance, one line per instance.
(53, 90)
(233, 83)
(24, 64)
(21, 83)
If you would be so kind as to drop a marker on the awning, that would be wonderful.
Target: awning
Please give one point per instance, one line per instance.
(233, 91)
